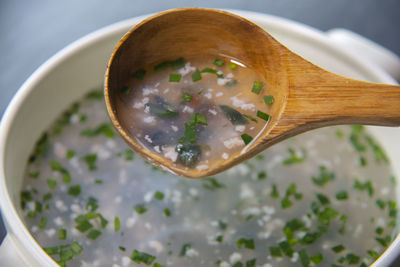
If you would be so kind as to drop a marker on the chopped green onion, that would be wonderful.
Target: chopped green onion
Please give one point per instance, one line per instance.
(142, 257)
(140, 208)
(269, 100)
(158, 195)
(62, 234)
(257, 86)
(187, 97)
(52, 183)
(317, 258)
(178, 63)
(246, 139)
(275, 251)
(218, 62)
(74, 190)
(139, 74)
(196, 76)
(84, 226)
(43, 222)
(90, 160)
(342, 195)
(247, 243)
(175, 77)
(76, 248)
(94, 234)
(263, 115)
(126, 90)
(184, 249)
(232, 66)
(338, 248)
(161, 66)
(167, 212)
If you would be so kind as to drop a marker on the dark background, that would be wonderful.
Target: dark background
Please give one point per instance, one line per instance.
(31, 31)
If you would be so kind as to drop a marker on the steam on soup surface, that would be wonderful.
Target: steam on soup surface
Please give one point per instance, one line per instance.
(324, 198)
(196, 112)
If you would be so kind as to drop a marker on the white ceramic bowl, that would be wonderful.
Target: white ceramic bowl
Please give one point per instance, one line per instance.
(80, 67)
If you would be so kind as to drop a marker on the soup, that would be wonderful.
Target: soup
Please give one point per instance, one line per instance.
(323, 198)
(194, 112)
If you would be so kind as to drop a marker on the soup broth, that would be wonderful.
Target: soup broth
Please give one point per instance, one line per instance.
(195, 112)
(322, 198)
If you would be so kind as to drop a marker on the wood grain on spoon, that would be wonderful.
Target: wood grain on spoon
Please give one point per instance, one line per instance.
(306, 96)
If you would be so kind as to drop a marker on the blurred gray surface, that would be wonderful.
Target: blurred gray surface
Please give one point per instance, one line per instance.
(32, 31)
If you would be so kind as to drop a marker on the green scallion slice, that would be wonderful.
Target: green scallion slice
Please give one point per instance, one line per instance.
(175, 77)
(62, 234)
(263, 115)
(196, 76)
(94, 234)
(257, 86)
(74, 190)
(142, 257)
(269, 100)
(187, 97)
(117, 224)
(246, 139)
(139, 74)
(218, 62)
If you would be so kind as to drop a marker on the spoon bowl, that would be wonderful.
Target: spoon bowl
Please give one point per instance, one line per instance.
(306, 96)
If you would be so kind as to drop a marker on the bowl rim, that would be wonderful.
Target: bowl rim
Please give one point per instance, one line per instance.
(13, 222)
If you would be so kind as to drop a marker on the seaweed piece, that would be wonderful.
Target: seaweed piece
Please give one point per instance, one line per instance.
(234, 116)
(162, 108)
(188, 154)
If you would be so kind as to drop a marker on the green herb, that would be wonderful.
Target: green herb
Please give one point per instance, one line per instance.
(66, 255)
(122, 248)
(263, 115)
(310, 238)
(161, 66)
(373, 254)
(274, 192)
(327, 215)
(52, 183)
(156, 264)
(212, 71)
(167, 212)
(338, 248)
(70, 154)
(76, 248)
(196, 76)
(323, 199)
(184, 249)
(178, 63)
(104, 129)
(90, 160)
(92, 205)
(93, 234)
(84, 226)
(126, 90)
(47, 197)
(212, 184)
(385, 241)
(392, 209)
(142, 257)
(323, 177)
(247, 243)
(304, 259)
(246, 139)
(380, 203)
(294, 158)
(257, 86)
(34, 175)
(51, 250)
(222, 225)
(95, 95)
(339, 133)
(158, 195)
(275, 251)
(261, 175)
(251, 262)
(140, 208)
(379, 153)
(218, 62)
(74, 190)
(232, 66)
(62, 234)
(139, 74)
(367, 186)
(175, 77)
(43, 222)
(352, 258)
(363, 161)
(219, 238)
(342, 195)
(317, 258)
(286, 248)
(187, 97)
(269, 100)
(379, 230)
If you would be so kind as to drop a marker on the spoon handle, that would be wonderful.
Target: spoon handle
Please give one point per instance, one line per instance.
(320, 98)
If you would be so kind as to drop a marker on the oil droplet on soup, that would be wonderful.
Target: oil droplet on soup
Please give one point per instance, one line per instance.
(195, 112)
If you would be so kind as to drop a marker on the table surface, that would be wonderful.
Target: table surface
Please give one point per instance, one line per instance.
(32, 31)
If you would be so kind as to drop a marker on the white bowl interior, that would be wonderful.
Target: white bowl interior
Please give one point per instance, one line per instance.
(80, 67)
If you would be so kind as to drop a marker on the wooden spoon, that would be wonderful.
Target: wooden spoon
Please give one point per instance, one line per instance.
(306, 96)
